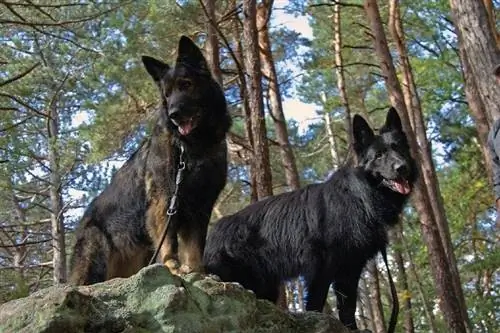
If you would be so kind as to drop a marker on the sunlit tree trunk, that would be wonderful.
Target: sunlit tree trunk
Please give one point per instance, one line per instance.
(276, 108)
(431, 321)
(255, 101)
(363, 290)
(490, 12)
(451, 305)
(480, 46)
(238, 47)
(413, 106)
(56, 201)
(212, 43)
(477, 110)
(408, 324)
(332, 144)
(339, 69)
(376, 299)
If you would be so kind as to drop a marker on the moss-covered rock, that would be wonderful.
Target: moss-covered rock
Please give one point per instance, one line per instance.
(155, 301)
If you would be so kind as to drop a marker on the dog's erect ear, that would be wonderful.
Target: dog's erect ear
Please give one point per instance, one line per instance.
(155, 68)
(189, 54)
(362, 133)
(392, 122)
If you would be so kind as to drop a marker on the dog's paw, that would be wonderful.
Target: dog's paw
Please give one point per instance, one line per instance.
(173, 266)
(185, 269)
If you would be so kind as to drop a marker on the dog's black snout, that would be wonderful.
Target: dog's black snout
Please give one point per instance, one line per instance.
(174, 113)
(402, 169)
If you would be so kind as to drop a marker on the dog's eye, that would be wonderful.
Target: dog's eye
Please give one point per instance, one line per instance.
(378, 155)
(183, 84)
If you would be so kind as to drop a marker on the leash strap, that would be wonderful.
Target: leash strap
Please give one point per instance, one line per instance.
(172, 208)
(394, 295)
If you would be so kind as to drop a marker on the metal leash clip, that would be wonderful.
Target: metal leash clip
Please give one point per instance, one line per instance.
(172, 209)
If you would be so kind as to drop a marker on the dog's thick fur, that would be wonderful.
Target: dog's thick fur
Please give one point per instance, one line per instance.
(325, 232)
(123, 225)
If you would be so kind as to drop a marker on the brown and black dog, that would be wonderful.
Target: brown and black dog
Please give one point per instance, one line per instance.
(122, 226)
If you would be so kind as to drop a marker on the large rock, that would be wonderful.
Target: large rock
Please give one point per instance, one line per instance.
(155, 301)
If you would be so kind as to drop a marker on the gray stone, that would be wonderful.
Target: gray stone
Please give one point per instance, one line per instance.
(153, 300)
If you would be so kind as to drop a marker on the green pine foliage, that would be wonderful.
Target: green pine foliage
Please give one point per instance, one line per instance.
(86, 60)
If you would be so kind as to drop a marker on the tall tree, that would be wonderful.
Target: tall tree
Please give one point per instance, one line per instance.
(450, 298)
(413, 106)
(408, 324)
(264, 10)
(339, 69)
(212, 44)
(481, 51)
(255, 100)
(376, 298)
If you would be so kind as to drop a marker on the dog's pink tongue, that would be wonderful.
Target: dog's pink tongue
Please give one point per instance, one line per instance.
(402, 186)
(185, 128)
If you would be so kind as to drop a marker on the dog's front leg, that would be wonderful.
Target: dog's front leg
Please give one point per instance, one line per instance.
(191, 245)
(156, 222)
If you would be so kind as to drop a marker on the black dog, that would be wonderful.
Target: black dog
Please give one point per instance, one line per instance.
(325, 232)
(122, 225)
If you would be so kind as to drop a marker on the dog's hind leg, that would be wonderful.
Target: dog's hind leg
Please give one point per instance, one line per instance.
(317, 292)
(127, 261)
(346, 293)
(90, 257)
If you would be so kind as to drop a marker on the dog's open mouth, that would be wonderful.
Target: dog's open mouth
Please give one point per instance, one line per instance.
(400, 185)
(185, 126)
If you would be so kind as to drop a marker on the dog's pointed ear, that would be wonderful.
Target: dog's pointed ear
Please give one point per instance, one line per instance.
(189, 54)
(362, 133)
(392, 122)
(156, 68)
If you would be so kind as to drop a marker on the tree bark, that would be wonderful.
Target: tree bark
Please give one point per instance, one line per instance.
(413, 106)
(477, 111)
(339, 69)
(237, 35)
(450, 303)
(376, 299)
(490, 12)
(269, 70)
(332, 144)
(479, 41)
(409, 326)
(364, 287)
(56, 201)
(254, 89)
(427, 306)
(212, 44)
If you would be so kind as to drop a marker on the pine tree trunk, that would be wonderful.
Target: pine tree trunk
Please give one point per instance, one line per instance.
(427, 306)
(413, 106)
(237, 35)
(56, 201)
(212, 44)
(479, 41)
(376, 299)
(332, 144)
(255, 101)
(19, 253)
(276, 107)
(490, 12)
(364, 287)
(339, 68)
(482, 119)
(408, 324)
(443, 276)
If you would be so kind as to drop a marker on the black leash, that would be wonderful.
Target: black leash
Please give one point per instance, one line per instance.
(172, 209)
(394, 295)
